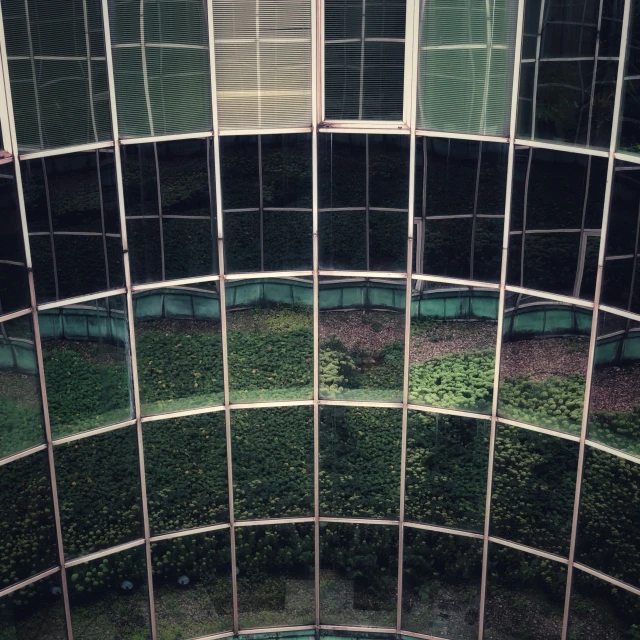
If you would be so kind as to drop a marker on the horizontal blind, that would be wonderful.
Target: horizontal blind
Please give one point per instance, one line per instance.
(364, 59)
(466, 65)
(263, 63)
(57, 71)
(161, 66)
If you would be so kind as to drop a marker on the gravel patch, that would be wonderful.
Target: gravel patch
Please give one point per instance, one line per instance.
(446, 338)
(370, 330)
(615, 388)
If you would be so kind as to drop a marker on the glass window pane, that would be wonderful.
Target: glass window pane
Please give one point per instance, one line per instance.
(545, 348)
(358, 574)
(272, 462)
(109, 598)
(270, 340)
(179, 348)
(34, 613)
(21, 423)
(615, 386)
(186, 472)
(192, 585)
(361, 340)
(86, 365)
(609, 523)
(522, 587)
(28, 534)
(453, 342)
(446, 476)
(441, 584)
(534, 484)
(360, 462)
(557, 203)
(72, 214)
(276, 585)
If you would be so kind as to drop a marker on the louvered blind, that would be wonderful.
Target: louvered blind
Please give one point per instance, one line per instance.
(161, 66)
(466, 65)
(263, 63)
(58, 73)
(364, 59)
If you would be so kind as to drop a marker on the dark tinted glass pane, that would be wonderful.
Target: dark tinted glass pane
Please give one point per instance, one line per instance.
(276, 583)
(360, 462)
(609, 524)
(288, 244)
(601, 610)
(71, 204)
(534, 482)
(179, 348)
(361, 340)
(446, 481)
(342, 171)
(629, 131)
(272, 462)
(34, 613)
(28, 532)
(614, 418)
(343, 240)
(14, 288)
(99, 491)
(20, 403)
(453, 341)
(441, 584)
(270, 340)
(109, 598)
(545, 348)
(358, 574)
(557, 202)
(192, 574)
(522, 587)
(186, 472)
(86, 365)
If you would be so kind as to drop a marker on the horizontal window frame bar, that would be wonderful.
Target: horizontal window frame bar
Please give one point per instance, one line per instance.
(63, 151)
(542, 430)
(90, 297)
(93, 432)
(552, 297)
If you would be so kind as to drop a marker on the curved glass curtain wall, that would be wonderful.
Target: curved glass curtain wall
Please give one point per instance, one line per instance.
(245, 398)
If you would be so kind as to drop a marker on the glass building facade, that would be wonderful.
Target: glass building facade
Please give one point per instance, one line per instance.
(319, 317)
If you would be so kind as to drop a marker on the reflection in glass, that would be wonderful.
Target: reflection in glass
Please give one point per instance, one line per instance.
(272, 462)
(568, 71)
(446, 470)
(14, 287)
(441, 584)
(275, 569)
(601, 610)
(266, 188)
(364, 59)
(86, 365)
(99, 491)
(525, 596)
(71, 204)
(21, 424)
(360, 462)
(460, 193)
(192, 585)
(28, 541)
(34, 613)
(621, 277)
(557, 206)
(545, 349)
(109, 598)
(534, 483)
(186, 472)
(630, 107)
(361, 339)
(363, 188)
(452, 349)
(170, 202)
(270, 339)
(358, 574)
(609, 522)
(614, 411)
(179, 348)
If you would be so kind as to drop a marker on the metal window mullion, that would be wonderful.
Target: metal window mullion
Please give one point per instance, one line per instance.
(5, 129)
(595, 71)
(524, 212)
(163, 269)
(366, 199)
(33, 72)
(596, 302)
(130, 312)
(50, 223)
(89, 72)
(362, 52)
(501, 305)
(475, 212)
(536, 69)
(635, 261)
(102, 221)
(261, 202)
